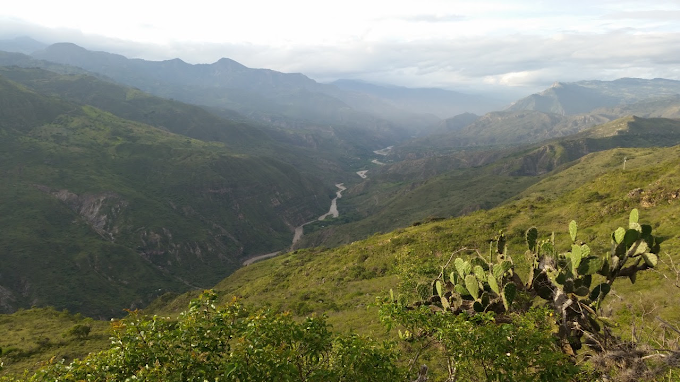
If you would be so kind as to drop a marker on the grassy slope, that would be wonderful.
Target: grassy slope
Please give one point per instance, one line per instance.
(133, 104)
(32, 337)
(342, 282)
(131, 190)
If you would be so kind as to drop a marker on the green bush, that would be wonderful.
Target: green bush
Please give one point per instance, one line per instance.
(228, 343)
(79, 331)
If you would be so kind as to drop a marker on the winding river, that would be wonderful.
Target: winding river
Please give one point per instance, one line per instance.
(383, 152)
(299, 231)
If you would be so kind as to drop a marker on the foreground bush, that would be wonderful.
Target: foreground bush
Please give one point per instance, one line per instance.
(228, 343)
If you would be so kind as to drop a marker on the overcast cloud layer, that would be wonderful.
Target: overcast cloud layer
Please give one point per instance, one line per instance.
(462, 45)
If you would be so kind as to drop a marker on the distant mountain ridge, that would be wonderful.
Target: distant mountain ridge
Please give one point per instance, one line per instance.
(503, 128)
(517, 126)
(585, 96)
(258, 93)
(21, 44)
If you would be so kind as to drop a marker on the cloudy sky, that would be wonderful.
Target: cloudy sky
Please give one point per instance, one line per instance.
(453, 44)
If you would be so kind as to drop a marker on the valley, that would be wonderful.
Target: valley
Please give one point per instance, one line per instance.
(299, 230)
(130, 185)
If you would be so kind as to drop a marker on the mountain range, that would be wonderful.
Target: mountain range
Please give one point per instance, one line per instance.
(178, 192)
(129, 183)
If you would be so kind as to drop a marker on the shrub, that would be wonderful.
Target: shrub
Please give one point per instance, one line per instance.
(229, 343)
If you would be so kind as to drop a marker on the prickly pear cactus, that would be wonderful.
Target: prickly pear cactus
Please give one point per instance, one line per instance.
(563, 279)
(476, 285)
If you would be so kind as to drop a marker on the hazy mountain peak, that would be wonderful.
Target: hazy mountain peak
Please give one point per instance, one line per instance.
(65, 46)
(228, 62)
(21, 44)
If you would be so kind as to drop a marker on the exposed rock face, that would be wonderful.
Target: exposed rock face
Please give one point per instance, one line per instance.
(6, 300)
(102, 212)
(98, 210)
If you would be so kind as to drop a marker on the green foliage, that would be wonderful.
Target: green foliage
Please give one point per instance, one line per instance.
(518, 347)
(229, 343)
(79, 331)
(563, 280)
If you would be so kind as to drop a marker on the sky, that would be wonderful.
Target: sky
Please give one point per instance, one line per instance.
(460, 45)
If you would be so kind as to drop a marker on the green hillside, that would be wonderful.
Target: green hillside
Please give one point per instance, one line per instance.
(321, 151)
(399, 194)
(101, 213)
(135, 105)
(595, 191)
(32, 337)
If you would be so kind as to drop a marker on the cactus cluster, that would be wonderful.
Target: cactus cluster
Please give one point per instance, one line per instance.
(565, 280)
(574, 282)
(572, 272)
(475, 285)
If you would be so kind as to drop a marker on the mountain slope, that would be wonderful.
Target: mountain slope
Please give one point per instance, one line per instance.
(657, 107)
(586, 96)
(528, 126)
(132, 104)
(399, 194)
(258, 93)
(342, 282)
(503, 128)
(21, 44)
(101, 213)
(319, 152)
